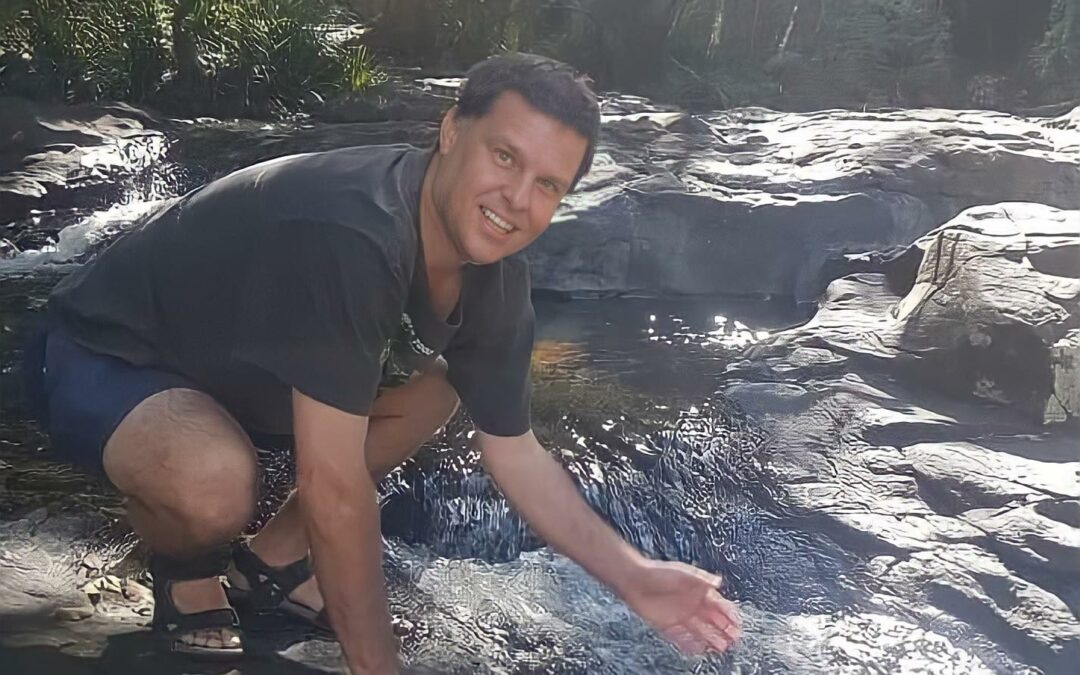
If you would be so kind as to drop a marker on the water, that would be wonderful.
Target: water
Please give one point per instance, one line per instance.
(626, 396)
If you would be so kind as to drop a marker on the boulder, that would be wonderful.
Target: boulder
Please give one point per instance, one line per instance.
(991, 309)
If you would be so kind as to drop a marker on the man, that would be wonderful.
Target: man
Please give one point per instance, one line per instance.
(346, 299)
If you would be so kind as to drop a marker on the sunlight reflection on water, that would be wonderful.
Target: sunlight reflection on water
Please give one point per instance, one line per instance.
(625, 397)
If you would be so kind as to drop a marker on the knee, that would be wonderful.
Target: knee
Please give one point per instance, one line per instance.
(217, 503)
(209, 521)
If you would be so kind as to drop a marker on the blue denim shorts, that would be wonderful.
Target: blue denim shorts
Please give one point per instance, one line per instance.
(79, 397)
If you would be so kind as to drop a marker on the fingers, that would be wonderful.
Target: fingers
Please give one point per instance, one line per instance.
(715, 627)
(712, 636)
(724, 613)
(714, 624)
(697, 637)
(685, 640)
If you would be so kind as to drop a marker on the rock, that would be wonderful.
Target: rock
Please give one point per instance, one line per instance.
(996, 289)
(987, 312)
(954, 502)
(688, 204)
(218, 148)
(39, 568)
(1070, 120)
(1064, 400)
(58, 156)
(1029, 534)
(677, 203)
(92, 563)
(957, 477)
(424, 101)
(77, 613)
(959, 491)
(965, 580)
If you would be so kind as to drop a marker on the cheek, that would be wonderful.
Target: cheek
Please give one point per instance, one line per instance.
(541, 214)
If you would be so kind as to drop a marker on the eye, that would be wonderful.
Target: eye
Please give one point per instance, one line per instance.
(549, 186)
(503, 157)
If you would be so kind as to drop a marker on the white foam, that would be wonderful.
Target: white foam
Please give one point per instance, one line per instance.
(76, 240)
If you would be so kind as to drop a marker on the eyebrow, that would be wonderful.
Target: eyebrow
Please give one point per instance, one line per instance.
(558, 182)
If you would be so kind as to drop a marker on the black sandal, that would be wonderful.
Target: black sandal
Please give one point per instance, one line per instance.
(265, 605)
(169, 623)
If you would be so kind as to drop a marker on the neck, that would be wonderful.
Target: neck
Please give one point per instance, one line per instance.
(441, 257)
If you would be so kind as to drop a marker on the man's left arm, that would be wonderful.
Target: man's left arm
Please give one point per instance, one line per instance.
(682, 602)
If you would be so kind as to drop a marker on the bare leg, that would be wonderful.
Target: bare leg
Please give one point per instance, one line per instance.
(402, 419)
(188, 474)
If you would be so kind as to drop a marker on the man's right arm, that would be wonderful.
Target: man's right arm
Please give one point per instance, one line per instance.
(341, 515)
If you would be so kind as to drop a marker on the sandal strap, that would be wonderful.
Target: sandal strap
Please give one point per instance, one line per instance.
(269, 585)
(209, 563)
(168, 620)
(177, 624)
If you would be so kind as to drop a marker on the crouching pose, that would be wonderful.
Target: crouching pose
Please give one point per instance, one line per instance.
(348, 300)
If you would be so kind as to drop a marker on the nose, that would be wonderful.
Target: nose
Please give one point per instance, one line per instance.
(518, 192)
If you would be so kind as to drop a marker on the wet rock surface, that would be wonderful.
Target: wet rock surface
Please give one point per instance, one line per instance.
(57, 157)
(902, 441)
(891, 485)
(697, 204)
(717, 192)
(987, 304)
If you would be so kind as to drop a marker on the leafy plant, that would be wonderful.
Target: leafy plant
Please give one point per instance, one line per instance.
(89, 48)
(260, 57)
(361, 71)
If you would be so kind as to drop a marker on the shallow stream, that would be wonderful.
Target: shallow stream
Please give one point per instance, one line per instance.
(626, 395)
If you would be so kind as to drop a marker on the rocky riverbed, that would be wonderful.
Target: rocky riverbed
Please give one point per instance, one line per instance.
(883, 459)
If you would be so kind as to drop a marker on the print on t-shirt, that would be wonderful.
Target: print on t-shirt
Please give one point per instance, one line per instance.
(404, 354)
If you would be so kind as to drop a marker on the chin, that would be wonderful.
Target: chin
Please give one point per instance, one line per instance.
(481, 250)
(483, 255)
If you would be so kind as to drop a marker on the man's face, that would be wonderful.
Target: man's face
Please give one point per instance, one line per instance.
(502, 176)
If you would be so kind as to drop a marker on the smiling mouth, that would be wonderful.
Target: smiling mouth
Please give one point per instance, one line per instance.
(496, 221)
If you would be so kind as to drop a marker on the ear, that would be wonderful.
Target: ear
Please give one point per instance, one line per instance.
(449, 130)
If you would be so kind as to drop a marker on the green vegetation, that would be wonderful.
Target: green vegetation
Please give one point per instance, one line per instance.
(243, 57)
(87, 50)
(268, 57)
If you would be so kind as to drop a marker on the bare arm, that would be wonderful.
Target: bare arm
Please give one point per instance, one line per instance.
(341, 515)
(545, 495)
(682, 602)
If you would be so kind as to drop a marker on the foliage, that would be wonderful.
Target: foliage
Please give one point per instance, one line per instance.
(254, 57)
(273, 54)
(89, 48)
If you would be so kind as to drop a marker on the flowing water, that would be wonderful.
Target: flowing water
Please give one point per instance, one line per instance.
(625, 396)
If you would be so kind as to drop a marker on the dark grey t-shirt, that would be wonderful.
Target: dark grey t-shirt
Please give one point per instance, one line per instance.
(304, 272)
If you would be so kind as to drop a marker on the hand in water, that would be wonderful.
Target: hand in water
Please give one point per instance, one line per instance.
(683, 604)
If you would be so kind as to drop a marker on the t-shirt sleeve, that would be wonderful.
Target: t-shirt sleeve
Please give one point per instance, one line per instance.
(319, 304)
(488, 361)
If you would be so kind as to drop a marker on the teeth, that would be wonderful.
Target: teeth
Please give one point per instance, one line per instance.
(499, 222)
